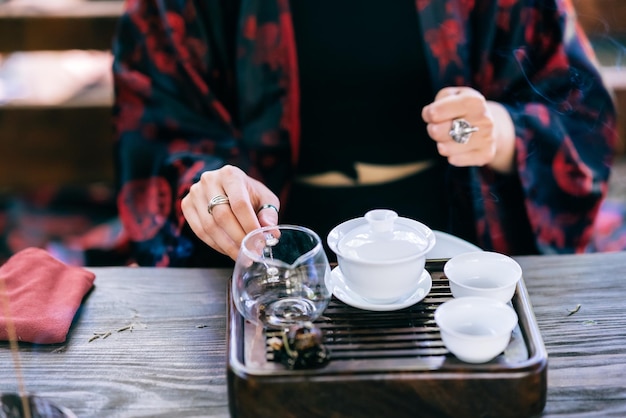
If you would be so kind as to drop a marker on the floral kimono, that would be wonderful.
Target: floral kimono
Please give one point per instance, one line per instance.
(204, 83)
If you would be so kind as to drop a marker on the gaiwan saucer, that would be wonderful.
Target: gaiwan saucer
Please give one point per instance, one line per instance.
(337, 285)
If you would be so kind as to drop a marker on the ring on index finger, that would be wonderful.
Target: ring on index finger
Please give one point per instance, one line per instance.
(220, 199)
(461, 131)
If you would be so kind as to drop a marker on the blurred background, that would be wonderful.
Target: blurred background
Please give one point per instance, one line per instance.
(56, 165)
(56, 161)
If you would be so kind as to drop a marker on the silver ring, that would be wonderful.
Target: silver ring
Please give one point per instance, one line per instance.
(220, 199)
(267, 206)
(461, 131)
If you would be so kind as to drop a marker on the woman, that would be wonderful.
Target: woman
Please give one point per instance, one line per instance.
(483, 118)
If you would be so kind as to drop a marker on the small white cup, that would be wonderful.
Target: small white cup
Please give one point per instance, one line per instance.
(475, 329)
(484, 274)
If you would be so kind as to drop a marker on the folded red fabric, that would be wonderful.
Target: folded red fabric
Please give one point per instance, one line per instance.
(42, 295)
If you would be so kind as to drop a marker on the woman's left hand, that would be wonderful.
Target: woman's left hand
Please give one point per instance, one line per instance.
(493, 144)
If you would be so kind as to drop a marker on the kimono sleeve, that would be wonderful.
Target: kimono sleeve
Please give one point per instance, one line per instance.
(169, 125)
(565, 125)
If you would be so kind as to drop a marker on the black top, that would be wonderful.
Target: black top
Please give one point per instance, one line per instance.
(364, 82)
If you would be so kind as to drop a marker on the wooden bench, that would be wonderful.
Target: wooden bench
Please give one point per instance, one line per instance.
(69, 143)
(68, 25)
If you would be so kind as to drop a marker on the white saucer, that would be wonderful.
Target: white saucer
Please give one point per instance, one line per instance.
(447, 246)
(337, 285)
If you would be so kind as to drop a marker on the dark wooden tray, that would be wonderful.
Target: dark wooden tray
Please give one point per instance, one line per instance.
(389, 364)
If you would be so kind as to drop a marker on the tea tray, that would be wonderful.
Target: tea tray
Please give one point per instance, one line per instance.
(388, 364)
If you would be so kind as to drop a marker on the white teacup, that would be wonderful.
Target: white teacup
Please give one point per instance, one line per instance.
(483, 273)
(381, 256)
(475, 329)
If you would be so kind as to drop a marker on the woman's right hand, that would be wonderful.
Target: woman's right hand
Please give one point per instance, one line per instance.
(225, 227)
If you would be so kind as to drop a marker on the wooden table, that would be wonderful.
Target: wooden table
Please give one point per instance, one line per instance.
(166, 351)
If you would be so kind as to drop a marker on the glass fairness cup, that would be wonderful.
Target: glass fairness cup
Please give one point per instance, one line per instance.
(279, 276)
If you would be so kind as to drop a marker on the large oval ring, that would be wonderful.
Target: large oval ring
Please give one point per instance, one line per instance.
(267, 206)
(461, 131)
(220, 199)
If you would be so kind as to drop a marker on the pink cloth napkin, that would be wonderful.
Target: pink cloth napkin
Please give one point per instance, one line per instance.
(43, 295)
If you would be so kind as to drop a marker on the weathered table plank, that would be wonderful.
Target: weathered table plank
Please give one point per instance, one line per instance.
(586, 350)
(171, 363)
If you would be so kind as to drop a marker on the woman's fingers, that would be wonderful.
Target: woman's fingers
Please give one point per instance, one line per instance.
(234, 215)
(205, 225)
(461, 103)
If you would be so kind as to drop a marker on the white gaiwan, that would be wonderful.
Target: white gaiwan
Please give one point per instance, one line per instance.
(381, 255)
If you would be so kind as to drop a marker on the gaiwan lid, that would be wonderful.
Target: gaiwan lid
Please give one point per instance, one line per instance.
(381, 236)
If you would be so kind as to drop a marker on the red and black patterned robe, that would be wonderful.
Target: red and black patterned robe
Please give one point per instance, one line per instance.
(202, 83)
